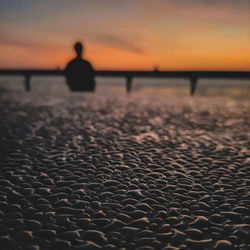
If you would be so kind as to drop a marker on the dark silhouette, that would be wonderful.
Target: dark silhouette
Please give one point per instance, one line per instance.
(79, 72)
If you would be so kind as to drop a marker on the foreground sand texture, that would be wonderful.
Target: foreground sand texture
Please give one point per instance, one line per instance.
(87, 171)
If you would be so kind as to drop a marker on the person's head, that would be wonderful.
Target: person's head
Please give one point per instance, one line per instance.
(78, 48)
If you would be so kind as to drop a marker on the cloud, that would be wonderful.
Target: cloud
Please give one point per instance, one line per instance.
(234, 3)
(18, 43)
(224, 3)
(232, 12)
(117, 42)
(25, 38)
(32, 46)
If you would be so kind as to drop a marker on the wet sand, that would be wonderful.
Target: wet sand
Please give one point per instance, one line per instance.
(85, 171)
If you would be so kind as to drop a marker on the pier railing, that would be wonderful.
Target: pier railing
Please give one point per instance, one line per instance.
(193, 76)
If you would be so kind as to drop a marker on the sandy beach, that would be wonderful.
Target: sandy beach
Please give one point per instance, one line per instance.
(90, 171)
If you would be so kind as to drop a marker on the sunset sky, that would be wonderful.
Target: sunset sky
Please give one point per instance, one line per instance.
(128, 34)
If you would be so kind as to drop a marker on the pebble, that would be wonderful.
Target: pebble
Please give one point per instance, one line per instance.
(61, 244)
(164, 228)
(62, 203)
(129, 201)
(51, 226)
(93, 185)
(123, 167)
(145, 241)
(101, 222)
(8, 243)
(241, 209)
(164, 237)
(205, 199)
(200, 222)
(69, 210)
(169, 247)
(24, 235)
(96, 204)
(70, 235)
(216, 218)
(118, 197)
(242, 231)
(63, 220)
(195, 234)
(98, 215)
(124, 217)
(80, 204)
(178, 236)
(139, 223)
(161, 214)
(223, 245)
(89, 245)
(129, 208)
(96, 236)
(33, 247)
(33, 225)
(131, 172)
(145, 233)
(137, 214)
(135, 193)
(45, 233)
(232, 216)
(109, 183)
(109, 247)
(145, 248)
(144, 207)
(198, 244)
(172, 220)
(149, 201)
(114, 225)
(83, 222)
(129, 230)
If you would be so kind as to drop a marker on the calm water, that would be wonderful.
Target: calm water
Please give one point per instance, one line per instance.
(231, 88)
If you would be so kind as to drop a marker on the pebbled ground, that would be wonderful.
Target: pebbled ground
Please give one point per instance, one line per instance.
(85, 171)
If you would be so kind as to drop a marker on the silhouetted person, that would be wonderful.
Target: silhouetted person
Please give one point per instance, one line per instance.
(79, 72)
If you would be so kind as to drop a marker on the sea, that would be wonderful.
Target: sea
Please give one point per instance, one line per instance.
(239, 89)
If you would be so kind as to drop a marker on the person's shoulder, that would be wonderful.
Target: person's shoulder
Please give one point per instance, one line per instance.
(70, 63)
(86, 62)
(88, 65)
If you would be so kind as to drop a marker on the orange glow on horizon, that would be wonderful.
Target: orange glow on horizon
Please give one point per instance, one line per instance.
(132, 35)
(103, 57)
